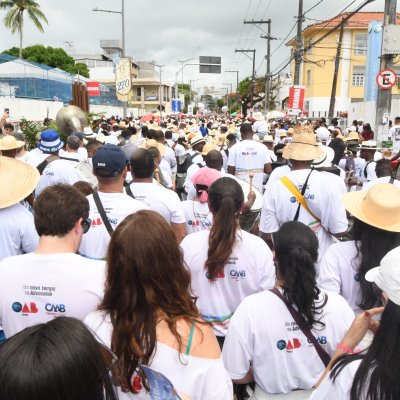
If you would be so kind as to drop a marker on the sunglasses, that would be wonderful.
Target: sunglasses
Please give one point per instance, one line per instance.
(86, 224)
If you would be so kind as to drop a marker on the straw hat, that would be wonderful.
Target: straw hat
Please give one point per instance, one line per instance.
(10, 143)
(100, 137)
(304, 146)
(368, 145)
(153, 143)
(352, 136)
(17, 181)
(378, 207)
(256, 138)
(326, 159)
(268, 139)
(220, 140)
(258, 116)
(214, 132)
(207, 148)
(283, 134)
(197, 139)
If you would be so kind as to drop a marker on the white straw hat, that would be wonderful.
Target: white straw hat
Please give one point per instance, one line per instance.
(17, 181)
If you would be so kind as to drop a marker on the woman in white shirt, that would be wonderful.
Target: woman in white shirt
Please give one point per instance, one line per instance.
(372, 374)
(345, 264)
(267, 343)
(149, 317)
(226, 263)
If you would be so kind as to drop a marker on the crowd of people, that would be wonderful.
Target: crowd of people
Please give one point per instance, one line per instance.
(202, 258)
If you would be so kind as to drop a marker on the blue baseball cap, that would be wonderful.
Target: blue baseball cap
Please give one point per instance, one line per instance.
(50, 141)
(109, 161)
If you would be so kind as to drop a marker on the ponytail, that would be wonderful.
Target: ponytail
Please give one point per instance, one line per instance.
(225, 200)
(296, 249)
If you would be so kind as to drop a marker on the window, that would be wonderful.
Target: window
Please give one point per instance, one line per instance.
(360, 44)
(139, 91)
(358, 76)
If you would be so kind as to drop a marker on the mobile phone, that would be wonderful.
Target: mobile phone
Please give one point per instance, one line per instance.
(7, 110)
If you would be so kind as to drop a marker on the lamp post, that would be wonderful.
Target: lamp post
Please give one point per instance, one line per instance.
(122, 12)
(237, 79)
(227, 96)
(183, 64)
(190, 87)
(161, 94)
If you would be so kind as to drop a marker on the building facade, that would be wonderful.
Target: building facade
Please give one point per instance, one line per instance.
(317, 68)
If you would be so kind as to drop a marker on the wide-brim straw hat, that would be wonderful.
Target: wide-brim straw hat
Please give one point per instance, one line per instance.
(368, 145)
(207, 148)
(268, 139)
(304, 147)
(196, 140)
(326, 159)
(17, 181)
(153, 143)
(258, 116)
(378, 207)
(352, 136)
(9, 142)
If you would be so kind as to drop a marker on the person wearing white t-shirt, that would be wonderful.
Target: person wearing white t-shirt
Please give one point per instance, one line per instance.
(367, 152)
(222, 276)
(72, 146)
(231, 140)
(17, 230)
(394, 135)
(53, 169)
(53, 280)
(249, 157)
(372, 374)
(325, 215)
(344, 264)
(164, 201)
(197, 213)
(110, 168)
(265, 343)
(383, 172)
(148, 315)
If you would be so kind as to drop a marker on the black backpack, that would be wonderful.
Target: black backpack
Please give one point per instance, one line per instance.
(186, 163)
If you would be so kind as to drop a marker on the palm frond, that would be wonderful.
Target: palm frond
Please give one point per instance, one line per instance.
(36, 16)
(12, 20)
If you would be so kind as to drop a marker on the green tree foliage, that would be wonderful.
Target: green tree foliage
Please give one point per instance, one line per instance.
(14, 18)
(51, 56)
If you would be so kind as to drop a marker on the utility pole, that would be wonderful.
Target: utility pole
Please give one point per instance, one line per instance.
(253, 74)
(299, 45)
(384, 101)
(336, 73)
(268, 57)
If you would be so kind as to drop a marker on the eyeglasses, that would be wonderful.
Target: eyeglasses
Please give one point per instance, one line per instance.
(86, 224)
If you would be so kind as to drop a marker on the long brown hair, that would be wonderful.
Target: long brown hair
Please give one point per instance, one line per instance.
(225, 199)
(146, 280)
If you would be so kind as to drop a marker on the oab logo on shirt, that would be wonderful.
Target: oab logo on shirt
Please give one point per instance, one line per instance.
(26, 308)
(290, 345)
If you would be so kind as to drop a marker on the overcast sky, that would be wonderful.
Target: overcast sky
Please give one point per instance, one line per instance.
(170, 30)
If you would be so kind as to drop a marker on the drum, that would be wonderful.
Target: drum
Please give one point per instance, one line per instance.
(250, 219)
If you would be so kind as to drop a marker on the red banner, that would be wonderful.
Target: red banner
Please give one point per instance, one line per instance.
(296, 97)
(93, 88)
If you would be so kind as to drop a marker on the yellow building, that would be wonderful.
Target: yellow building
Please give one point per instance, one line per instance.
(317, 68)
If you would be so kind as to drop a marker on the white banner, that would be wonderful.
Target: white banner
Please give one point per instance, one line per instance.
(123, 77)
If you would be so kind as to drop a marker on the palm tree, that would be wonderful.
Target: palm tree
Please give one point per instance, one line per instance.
(14, 19)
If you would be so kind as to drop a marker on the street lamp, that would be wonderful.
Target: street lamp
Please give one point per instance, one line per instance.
(161, 94)
(237, 78)
(183, 62)
(122, 12)
(190, 87)
(227, 97)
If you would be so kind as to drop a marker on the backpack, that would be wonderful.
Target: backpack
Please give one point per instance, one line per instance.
(187, 161)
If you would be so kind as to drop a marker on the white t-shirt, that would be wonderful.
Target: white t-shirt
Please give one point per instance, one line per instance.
(167, 173)
(339, 272)
(323, 198)
(170, 157)
(278, 173)
(249, 156)
(198, 216)
(36, 288)
(225, 154)
(340, 389)
(368, 173)
(58, 171)
(260, 127)
(72, 155)
(117, 207)
(394, 134)
(384, 179)
(164, 201)
(263, 332)
(199, 378)
(189, 175)
(179, 150)
(17, 231)
(250, 269)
